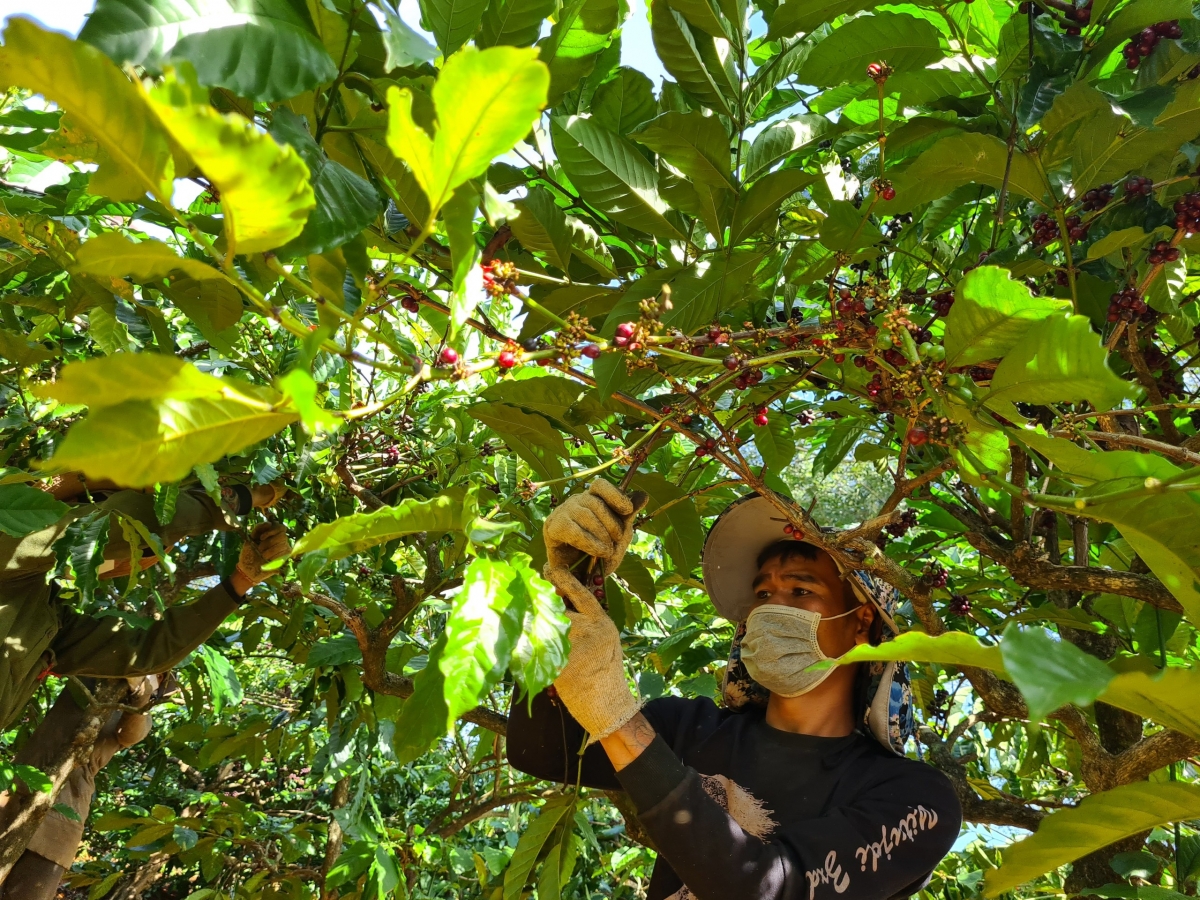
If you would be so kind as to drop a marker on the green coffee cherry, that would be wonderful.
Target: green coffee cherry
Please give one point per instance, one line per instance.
(883, 340)
(924, 349)
(955, 380)
(938, 353)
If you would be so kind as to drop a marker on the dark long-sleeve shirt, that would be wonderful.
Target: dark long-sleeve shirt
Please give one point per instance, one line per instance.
(739, 809)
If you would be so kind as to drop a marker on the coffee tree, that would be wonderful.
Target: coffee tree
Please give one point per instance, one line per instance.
(917, 270)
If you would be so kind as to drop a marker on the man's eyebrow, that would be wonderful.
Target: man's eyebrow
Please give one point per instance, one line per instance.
(805, 577)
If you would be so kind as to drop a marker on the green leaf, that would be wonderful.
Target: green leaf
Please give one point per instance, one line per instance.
(466, 285)
(115, 256)
(403, 45)
(213, 304)
(107, 382)
(515, 22)
(906, 42)
(847, 227)
(423, 717)
(775, 442)
(542, 226)
(991, 314)
(486, 101)
(1062, 360)
(1118, 240)
(982, 451)
(705, 15)
(222, 679)
(764, 200)
(624, 102)
(103, 102)
(953, 648)
(140, 442)
(534, 838)
(226, 40)
(842, 438)
(484, 625)
(15, 348)
(612, 175)
(452, 22)
(82, 544)
(265, 192)
(678, 525)
(590, 248)
(25, 509)
(346, 203)
(529, 435)
(449, 511)
(299, 389)
(1050, 671)
(1167, 698)
(693, 143)
(687, 54)
(1099, 820)
(965, 159)
(35, 779)
(583, 31)
(700, 296)
(794, 16)
(541, 651)
(551, 395)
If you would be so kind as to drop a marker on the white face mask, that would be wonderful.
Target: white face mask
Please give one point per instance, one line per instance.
(780, 644)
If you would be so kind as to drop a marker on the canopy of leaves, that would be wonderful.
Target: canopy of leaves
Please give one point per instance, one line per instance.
(921, 271)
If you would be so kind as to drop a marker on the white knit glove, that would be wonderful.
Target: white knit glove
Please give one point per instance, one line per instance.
(593, 685)
(597, 522)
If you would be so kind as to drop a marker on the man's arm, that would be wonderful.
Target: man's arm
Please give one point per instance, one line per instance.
(111, 648)
(881, 846)
(544, 741)
(628, 742)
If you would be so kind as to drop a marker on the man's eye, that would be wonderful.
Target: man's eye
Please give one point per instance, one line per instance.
(763, 595)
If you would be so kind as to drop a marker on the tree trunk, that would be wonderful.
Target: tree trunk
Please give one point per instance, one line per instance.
(333, 843)
(23, 810)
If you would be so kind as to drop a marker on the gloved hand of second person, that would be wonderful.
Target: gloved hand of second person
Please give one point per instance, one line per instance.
(593, 685)
(268, 541)
(597, 522)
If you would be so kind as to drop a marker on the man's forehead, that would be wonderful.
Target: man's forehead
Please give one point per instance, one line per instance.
(800, 569)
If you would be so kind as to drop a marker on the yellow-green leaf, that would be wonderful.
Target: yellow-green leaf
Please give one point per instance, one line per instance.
(486, 101)
(1098, 821)
(113, 255)
(102, 101)
(954, 648)
(264, 187)
(1167, 697)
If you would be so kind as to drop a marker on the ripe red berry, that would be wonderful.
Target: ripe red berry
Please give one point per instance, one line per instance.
(700, 451)
(449, 356)
(917, 436)
(789, 528)
(761, 419)
(599, 592)
(506, 360)
(625, 329)
(591, 351)
(733, 362)
(597, 580)
(839, 357)
(686, 420)
(888, 193)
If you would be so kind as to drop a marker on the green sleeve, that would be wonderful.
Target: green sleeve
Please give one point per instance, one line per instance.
(111, 648)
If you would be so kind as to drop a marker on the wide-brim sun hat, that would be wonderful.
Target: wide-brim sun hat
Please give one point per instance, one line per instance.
(745, 529)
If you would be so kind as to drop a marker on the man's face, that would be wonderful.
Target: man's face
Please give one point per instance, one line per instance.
(815, 585)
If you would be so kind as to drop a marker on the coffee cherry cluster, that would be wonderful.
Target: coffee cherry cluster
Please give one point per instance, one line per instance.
(1162, 252)
(960, 604)
(391, 455)
(506, 359)
(808, 416)
(1143, 43)
(448, 356)
(499, 277)
(1097, 198)
(706, 448)
(935, 575)
(875, 385)
(1045, 230)
(1126, 304)
(899, 529)
(760, 417)
(1138, 186)
(410, 304)
(943, 302)
(748, 379)
(1187, 212)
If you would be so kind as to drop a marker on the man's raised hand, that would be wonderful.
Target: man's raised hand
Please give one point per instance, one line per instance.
(268, 541)
(597, 522)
